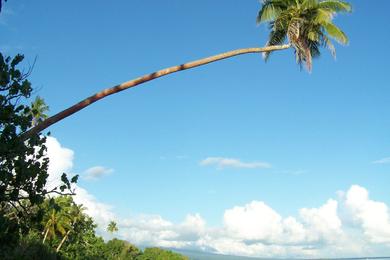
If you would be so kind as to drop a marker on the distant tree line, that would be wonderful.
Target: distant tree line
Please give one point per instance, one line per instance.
(59, 229)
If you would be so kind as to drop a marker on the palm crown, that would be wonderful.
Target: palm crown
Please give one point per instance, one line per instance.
(306, 24)
(112, 227)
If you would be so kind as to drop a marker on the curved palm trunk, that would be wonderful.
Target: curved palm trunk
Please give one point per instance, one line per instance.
(132, 83)
(44, 238)
(63, 241)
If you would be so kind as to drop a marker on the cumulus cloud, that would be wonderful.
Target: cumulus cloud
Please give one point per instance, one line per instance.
(221, 163)
(153, 230)
(101, 213)
(61, 161)
(382, 161)
(254, 221)
(97, 172)
(192, 228)
(256, 229)
(323, 223)
(258, 223)
(372, 216)
(352, 225)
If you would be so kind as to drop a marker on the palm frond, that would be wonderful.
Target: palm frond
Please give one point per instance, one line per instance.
(309, 4)
(275, 38)
(307, 24)
(268, 13)
(323, 15)
(329, 45)
(314, 49)
(336, 5)
(271, 9)
(336, 33)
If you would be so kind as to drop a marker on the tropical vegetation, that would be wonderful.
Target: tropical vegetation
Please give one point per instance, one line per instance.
(306, 24)
(112, 227)
(65, 231)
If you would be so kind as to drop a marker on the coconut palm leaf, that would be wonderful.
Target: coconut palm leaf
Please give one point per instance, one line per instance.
(276, 37)
(335, 5)
(272, 9)
(306, 24)
(336, 33)
(38, 110)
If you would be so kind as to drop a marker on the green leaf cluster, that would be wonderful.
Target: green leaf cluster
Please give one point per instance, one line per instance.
(306, 24)
(65, 232)
(23, 162)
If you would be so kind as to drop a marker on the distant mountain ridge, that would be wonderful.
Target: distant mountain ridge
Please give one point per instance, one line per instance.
(196, 255)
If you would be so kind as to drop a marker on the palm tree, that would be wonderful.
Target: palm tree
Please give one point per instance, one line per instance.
(75, 214)
(306, 23)
(56, 223)
(112, 227)
(38, 111)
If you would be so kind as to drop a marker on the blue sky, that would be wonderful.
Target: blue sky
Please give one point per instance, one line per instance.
(320, 133)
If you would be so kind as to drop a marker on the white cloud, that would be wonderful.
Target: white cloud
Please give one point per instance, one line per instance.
(149, 230)
(257, 223)
(372, 216)
(382, 161)
(353, 225)
(192, 228)
(97, 172)
(222, 163)
(323, 223)
(256, 229)
(100, 212)
(254, 221)
(61, 161)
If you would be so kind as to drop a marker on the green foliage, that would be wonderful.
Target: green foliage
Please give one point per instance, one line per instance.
(64, 221)
(31, 248)
(119, 249)
(81, 241)
(23, 165)
(84, 246)
(23, 162)
(307, 24)
(38, 110)
(160, 254)
(112, 227)
(9, 233)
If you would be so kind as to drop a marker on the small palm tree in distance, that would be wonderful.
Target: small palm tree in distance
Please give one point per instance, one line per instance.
(112, 227)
